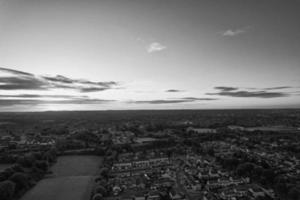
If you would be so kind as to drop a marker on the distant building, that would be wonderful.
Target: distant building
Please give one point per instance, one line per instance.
(201, 130)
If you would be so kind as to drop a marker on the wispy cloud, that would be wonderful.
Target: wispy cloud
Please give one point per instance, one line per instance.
(159, 101)
(199, 99)
(19, 80)
(224, 88)
(12, 71)
(235, 92)
(278, 88)
(174, 90)
(22, 83)
(12, 102)
(173, 101)
(31, 96)
(155, 46)
(234, 32)
(259, 94)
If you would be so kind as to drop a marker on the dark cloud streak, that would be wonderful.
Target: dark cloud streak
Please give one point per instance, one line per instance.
(22, 83)
(12, 102)
(224, 88)
(257, 94)
(28, 81)
(172, 101)
(174, 90)
(16, 72)
(42, 96)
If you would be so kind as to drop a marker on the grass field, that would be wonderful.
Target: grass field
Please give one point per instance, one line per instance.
(76, 166)
(73, 176)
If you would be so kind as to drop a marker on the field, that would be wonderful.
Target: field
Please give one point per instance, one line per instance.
(72, 179)
(76, 166)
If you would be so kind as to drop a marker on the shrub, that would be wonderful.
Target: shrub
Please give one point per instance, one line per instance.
(26, 161)
(97, 197)
(43, 165)
(104, 172)
(100, 181)
(294, 193)
(50, 155)
(100, 190)
(17, 168)
(21, 181)
(7, 173)
(7, 189)
(38, 155)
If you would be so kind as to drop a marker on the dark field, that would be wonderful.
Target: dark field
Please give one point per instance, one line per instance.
(72, 179)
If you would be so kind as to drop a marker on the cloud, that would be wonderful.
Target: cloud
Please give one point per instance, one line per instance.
(12, 71)
(236, 32)
(92, 89)
(278, 88)
(199, 99)
(26, 81)
(22, 83)
(257, 94)
(173, 90)
(41, 96)
(172, 101)
(224, 88)
(59, 79)
(37, 99)
(155, 46)
(12, 102)
(160, 101)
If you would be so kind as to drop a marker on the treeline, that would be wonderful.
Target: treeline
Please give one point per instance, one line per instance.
(259, 171)
(7, 158)
(103, 187)
(24, 174)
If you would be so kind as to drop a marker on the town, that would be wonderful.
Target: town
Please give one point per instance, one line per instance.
(146, 159)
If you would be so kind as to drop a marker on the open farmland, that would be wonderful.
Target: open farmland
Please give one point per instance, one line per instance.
(72, 179)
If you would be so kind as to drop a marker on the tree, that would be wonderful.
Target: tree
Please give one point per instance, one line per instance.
(100, 190)
(100, 181)
(229, 163)
(281, 187)
(211, 151)
(48, 156)
(17, 168)
(104, 172)
(27, 160)
(7, 173)
(38, 155)
(7, 189)
(97, 197)
(294, 193)
(43, 165)
(245, 169)
(269, 175)
(21, 181)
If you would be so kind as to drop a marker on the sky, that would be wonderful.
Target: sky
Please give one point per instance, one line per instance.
(149, 54)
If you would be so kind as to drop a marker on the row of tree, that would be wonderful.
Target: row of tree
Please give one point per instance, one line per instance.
(261, 172)
(28, 169)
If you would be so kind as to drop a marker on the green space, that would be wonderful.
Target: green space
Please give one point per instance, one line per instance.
(72, 179)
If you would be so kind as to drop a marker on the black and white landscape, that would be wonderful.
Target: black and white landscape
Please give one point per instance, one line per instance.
(149, 99)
